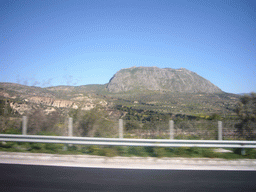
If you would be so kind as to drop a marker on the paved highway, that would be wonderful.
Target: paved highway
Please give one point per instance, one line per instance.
(31, 178)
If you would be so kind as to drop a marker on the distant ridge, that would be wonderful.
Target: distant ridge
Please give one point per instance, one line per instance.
(166, 79)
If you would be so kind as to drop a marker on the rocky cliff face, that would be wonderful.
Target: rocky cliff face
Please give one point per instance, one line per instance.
(154, 78)
(53, 102)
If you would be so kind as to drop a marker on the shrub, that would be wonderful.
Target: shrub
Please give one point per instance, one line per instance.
(159, 152)
(246, 111)
(137, 151)
(109, 152)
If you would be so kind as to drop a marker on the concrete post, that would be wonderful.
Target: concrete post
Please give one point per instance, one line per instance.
(220, 130)
(121, 128)
(243, 151)
(171, 129)
(24, 125)
(70, 127)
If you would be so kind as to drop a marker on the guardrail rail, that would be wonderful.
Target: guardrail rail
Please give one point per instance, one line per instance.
(128, 142)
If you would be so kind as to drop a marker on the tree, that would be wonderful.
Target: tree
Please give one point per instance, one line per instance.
(215, 116)
(246, 111)
(36, 121)
(5, 108)
(53, 120)
(94, 122)
(131, 125)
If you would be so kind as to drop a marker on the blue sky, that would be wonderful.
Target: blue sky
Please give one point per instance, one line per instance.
(49, 43)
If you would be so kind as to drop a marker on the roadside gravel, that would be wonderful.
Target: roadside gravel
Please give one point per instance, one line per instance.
(126, 162)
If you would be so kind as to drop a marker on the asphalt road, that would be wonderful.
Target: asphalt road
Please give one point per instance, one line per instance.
(29, 178)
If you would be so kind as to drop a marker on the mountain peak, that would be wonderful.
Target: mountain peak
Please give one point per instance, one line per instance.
(165, 79)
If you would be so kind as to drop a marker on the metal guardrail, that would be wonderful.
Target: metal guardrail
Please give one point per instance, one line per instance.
(128, 142)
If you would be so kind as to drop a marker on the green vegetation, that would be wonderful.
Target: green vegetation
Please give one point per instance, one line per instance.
(5, 108)
(159, 101)
(146, 115)
(111, 151)
(93, 123)
(246, 111)
(175, 103)
(10, 125)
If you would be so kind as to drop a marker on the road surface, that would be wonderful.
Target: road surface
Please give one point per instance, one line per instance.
(39, 178)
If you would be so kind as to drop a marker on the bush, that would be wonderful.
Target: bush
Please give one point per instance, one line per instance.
(93, 149)
(109, 152)
(131, 125)
(37, 146)
(122, 150)
(159, 152)
(93, 123)
(4, 144)
(47, 133)
(12, 131)
(53, 147)
(246, 111)
(10, 125)
(137, 151)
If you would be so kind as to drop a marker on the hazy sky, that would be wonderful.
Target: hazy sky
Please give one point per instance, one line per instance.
(48, 43)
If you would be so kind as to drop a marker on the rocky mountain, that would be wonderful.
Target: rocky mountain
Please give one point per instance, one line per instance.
(140, 88)
(154, 78)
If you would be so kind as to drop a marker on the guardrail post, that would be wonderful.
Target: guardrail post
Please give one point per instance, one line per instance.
(220, 130)
(70, 127)
(243, 151)
(24, 125)
(171, 129)
(121, 128)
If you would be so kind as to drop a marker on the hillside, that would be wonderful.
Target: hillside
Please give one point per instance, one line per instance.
(166, 80)
(176, 91)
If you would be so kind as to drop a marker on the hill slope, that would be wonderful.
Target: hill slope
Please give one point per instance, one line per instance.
(167, 79)
(141, 88)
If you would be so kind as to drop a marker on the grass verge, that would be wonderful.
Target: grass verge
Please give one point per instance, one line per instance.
(111, 151)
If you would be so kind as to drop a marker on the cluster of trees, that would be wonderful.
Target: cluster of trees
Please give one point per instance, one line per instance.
(183, 129)
(143, 115)
(97, 123)
(246, 112)
(10, 125)
(154, 121)
(8, 122)
(150, 115)
(5, 108)
(40, 122)
(93, 123)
